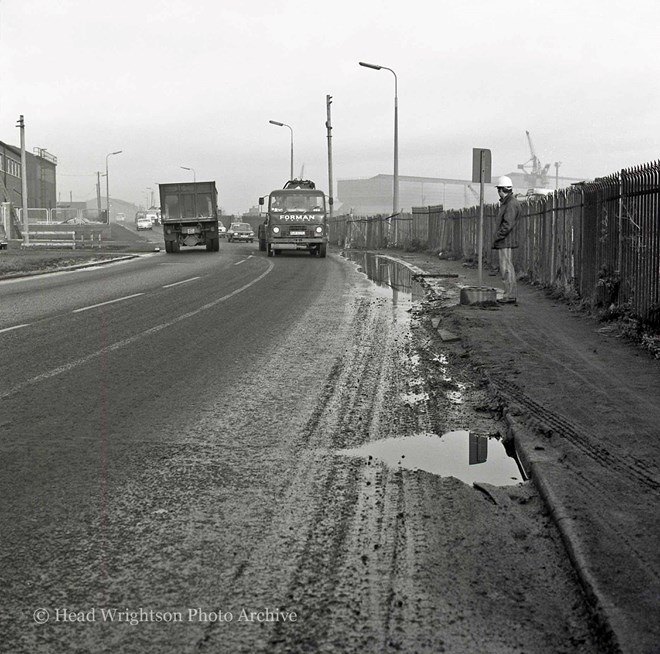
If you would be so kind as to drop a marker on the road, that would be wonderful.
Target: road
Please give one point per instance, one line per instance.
(173, 432)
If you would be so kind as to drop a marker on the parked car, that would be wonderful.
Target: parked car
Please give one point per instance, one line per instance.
(222, 230)
(240, 232)
(121, 217)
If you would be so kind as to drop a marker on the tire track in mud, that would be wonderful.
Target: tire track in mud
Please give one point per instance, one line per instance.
(542, 418)
(317, 539)
(351, 511)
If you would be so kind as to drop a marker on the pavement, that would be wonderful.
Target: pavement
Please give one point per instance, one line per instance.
(582, 406)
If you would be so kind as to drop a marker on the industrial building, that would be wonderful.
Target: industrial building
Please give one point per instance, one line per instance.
(373, 195)
(41, 176)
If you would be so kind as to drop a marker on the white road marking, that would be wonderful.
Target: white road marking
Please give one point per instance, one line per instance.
(243, 260)
(8, 329)
(102, 304)
(185, 281)
(128, 341)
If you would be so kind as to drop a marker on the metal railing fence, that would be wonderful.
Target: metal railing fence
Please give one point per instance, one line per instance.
(598, 240)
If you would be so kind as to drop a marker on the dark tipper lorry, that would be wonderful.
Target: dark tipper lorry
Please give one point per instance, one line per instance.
(189, 212)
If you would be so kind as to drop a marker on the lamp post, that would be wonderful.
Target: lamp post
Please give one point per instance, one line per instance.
(395, 193)
(274, 122)
(107, 182)
(193, 172)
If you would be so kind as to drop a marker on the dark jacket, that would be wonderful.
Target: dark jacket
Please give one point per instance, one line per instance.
(507, 220)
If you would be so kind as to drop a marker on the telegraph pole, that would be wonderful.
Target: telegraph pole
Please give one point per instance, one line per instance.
(24, 198)
(98, 192)
(328, 125)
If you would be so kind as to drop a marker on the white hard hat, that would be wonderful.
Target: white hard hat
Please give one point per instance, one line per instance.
(504, 182)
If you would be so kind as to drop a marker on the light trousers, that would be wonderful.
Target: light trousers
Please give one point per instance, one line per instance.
(508, 273)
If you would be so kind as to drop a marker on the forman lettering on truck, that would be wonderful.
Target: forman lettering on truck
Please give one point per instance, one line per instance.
(189, 213)
(296, 219)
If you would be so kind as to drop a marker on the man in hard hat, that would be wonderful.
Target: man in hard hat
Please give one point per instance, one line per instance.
(505, 238)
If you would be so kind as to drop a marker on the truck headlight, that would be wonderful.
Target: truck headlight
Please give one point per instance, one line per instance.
(319, 229)
(276, 230)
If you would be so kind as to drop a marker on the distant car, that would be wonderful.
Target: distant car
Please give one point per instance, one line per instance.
(153, 217)
(222, 230)
(143, 222)
(121, 217)
(240, 232)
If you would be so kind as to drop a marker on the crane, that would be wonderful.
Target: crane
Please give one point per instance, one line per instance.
(537, 175)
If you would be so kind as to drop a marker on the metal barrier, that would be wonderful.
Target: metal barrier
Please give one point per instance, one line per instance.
(51, 239)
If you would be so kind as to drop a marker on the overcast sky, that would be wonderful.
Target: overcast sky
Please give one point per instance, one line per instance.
(194, 83)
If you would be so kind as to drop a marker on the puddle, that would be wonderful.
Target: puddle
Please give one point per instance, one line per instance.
(394, 280)
(468, 457)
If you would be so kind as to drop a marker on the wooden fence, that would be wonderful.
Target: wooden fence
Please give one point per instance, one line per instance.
(598, 240)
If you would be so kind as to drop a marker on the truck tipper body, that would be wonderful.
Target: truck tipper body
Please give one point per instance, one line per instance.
(296, 219)
(189, 214)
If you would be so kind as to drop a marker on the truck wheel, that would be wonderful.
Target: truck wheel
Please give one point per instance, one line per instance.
(322, 250)
(216, 245)
(269, 250)
(175, 246)
(168, 246)
(262, 245)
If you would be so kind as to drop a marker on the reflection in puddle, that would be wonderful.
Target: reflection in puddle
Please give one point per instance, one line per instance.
(468, 457)
(394, 279)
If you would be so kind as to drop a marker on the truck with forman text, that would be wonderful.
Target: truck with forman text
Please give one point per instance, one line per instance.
(296, 219)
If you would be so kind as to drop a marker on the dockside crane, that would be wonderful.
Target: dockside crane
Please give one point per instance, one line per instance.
(536, 174)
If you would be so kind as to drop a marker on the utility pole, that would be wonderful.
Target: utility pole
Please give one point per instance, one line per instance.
(98, 192)
(328, 126)
(24, 198)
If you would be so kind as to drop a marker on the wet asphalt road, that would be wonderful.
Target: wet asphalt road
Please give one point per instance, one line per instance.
(171, 479)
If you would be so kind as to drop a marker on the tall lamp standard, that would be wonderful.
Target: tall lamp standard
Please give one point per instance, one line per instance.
(395, 199)
(274, 122)
(107, 183)
(192, 170)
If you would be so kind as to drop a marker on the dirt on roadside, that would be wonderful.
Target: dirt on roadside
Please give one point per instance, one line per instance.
(583, 407)
(18, 262)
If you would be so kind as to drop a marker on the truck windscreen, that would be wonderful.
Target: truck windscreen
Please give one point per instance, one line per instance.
(289, 202)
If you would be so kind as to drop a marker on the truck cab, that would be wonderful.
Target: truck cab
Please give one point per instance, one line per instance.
(296, 219)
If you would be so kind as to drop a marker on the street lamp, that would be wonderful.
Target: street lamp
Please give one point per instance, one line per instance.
(395, 199)
(107, 183)
(274, 122)
(193, 172)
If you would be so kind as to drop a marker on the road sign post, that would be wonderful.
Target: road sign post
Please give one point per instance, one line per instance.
(480, 295)
(481, 165)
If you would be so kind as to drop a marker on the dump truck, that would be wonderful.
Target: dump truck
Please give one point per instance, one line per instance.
(296, 219)
(189, 215)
